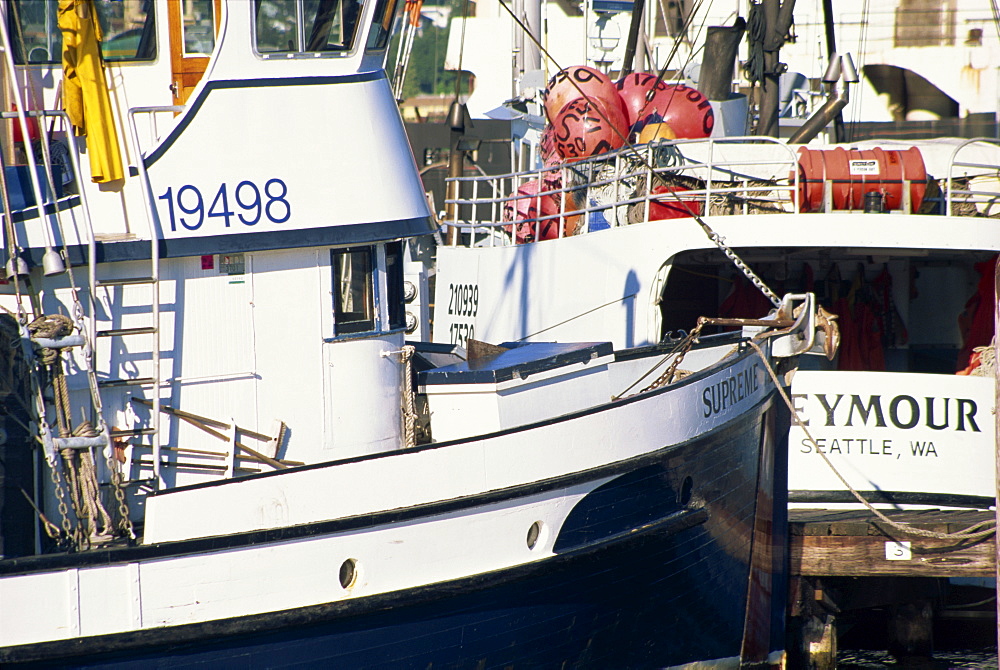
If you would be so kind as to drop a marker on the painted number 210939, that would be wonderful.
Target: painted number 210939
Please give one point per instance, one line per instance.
(186, 205)
(463, 300)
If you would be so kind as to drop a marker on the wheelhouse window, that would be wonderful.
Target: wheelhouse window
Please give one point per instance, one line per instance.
(290, 27)
(394, 284)
(385, 14)
(198, 27)
(353, 290)
(128, 28)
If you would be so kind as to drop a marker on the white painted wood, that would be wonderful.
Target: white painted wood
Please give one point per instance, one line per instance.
(460, 410)
(874, 446)
(410, 478)
(278, 576)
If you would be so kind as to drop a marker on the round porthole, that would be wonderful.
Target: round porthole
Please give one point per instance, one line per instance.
(348, 573)
(534, 532)
(686, 487)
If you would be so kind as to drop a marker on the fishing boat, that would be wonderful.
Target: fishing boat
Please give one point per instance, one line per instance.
(896, 237)
(220, 448)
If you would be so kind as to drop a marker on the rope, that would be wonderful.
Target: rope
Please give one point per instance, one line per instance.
(968, 534)
(756, 32)
(987, 360)
(581, 314)
(409, 403)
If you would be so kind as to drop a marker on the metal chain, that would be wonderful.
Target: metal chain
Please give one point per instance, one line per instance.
(685, 346)
(60, 491)
(681, 349)
(116, 486)
(738, 262)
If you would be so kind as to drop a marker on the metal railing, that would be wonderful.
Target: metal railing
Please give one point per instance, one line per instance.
(689, 177)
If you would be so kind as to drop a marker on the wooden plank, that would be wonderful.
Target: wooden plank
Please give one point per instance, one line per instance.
(862, 522)
(840, 556)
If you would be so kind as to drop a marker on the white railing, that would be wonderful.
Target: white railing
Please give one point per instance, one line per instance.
(965, 189)
(685, 176)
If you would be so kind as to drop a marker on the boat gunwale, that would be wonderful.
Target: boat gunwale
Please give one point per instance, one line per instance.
(105, 557)
(569, 416)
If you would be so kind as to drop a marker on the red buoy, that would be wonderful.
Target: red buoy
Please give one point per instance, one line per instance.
(547, 147)
(688, 113)
(580, 82)
(586, 128)
(635, 92)
(530, 205)
(847, 175)
(673, 206)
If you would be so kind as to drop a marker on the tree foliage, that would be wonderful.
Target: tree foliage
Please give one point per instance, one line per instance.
(426, 74)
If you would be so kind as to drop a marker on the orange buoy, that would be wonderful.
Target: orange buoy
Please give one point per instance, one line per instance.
(579, 81)
(585, 128)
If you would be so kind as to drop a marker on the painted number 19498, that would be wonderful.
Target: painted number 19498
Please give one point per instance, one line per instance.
(253, 205)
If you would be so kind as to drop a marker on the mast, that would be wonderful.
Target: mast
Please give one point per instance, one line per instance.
(638, 10)
(777, 21)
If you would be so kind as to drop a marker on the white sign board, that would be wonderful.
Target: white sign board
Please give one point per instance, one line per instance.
(895, 432)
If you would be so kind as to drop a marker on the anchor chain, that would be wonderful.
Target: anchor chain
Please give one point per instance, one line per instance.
(682, 349)
(80, 465)
(739, 263)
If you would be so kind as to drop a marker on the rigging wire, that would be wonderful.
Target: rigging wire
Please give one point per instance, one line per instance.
(862, 58)
(996, 16)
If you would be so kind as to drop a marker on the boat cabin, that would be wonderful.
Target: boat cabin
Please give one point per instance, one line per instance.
(220, 257)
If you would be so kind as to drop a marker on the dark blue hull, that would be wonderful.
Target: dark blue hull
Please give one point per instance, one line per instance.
(651, 569)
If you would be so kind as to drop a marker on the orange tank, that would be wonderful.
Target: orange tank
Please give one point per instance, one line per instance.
(850, 174)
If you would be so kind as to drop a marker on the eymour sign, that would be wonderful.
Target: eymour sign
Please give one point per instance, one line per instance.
(894, 432)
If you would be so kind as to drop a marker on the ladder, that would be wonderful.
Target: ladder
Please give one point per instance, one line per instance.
(95, 439)
(153, 281)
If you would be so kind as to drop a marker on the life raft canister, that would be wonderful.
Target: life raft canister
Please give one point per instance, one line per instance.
(850, 174)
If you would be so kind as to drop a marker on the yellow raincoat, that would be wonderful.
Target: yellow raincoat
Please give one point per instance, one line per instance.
(85, 90)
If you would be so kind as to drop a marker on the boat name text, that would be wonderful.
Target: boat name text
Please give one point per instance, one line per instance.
(902, 411)
(730, 391)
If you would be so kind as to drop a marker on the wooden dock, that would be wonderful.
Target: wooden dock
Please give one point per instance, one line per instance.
(827, 543)
(847, 562)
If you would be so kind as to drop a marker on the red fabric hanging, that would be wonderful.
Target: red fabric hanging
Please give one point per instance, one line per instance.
(976, 320)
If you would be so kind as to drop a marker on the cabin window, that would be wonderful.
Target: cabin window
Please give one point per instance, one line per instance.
(385, 14)
(128, 27)
(199, 27)
(290, 27)
(353, 290)
(394, 284)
